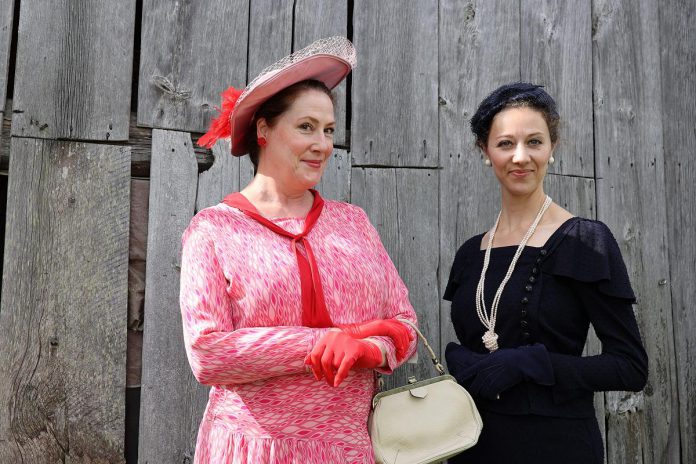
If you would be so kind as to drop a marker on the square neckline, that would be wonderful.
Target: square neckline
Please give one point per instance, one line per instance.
(546, 244)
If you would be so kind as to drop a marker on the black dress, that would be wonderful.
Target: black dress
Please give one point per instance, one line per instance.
(578, 277)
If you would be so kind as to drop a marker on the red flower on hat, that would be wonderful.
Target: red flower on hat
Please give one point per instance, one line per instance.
(220, 127)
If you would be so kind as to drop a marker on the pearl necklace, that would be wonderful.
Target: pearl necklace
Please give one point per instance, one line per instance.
(490, 338)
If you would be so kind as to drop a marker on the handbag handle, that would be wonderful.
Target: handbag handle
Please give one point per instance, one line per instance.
(433, 357)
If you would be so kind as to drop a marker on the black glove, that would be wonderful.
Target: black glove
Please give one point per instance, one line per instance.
(461, 362)
(506, 367)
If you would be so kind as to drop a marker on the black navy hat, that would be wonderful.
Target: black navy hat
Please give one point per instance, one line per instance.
(505, 96)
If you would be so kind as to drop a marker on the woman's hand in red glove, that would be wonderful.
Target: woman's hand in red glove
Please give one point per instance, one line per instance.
(392, 328)
(337, 352)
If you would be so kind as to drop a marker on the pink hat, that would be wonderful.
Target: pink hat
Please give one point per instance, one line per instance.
(327, 60)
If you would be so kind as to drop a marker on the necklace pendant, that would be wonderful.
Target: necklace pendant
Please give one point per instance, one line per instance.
(490, 340)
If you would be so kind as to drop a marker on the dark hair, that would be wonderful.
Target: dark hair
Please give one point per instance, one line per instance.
(515, 95)
(278, 104)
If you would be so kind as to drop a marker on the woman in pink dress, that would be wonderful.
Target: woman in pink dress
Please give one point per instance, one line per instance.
(289, 302)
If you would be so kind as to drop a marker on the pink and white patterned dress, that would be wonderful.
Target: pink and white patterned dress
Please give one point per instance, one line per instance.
(242, 315)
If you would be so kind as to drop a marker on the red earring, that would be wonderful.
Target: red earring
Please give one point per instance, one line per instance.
(261, 141)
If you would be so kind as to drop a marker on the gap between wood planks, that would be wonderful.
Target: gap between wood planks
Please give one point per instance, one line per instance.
(140, 141)
(386, 166)
(572, 175)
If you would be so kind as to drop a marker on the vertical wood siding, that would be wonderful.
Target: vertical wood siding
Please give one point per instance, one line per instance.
(402, 205)
(172, 401)
(396, 83)
(63, 319)
(335, 183)
(678, 66)
(74, 69)
(270, 33)
(631, 201)
(221, 179)
(191, 50)
(6, 21)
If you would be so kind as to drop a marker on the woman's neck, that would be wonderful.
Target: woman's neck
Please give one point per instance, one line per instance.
(273, 199)
(518, 212)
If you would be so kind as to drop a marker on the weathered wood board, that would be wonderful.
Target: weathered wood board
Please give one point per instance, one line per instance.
(678, 65)
(402, 205)
(63, 316)
(172, 402)
(270, 33)
(576, 194)
(221, 179)
(479, 50)
(316, 19)
(191, 50)
(556, 52)
(74, 69)
(631, 201)
(6, 21)
(335, 183)
(395, 87)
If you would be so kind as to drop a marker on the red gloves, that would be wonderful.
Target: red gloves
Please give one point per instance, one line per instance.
(340, 350)
(397, 331)
(337, 352)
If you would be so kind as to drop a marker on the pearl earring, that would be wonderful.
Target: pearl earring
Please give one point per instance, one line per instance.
(487, 162)
(552, 160)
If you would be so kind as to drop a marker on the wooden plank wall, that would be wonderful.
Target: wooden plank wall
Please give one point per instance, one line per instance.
(171, 400)
(6, 22)
(678, 65)
(629, 155)
(401, 70)
(621, 71)
(63, 313)
(400, 201)
(63, 319)
(78, 58)
(191, 50)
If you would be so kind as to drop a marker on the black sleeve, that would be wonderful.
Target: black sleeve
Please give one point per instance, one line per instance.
(591, 258)
(623, 363)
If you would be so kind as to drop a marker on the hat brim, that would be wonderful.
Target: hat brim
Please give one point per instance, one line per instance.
(329, 69)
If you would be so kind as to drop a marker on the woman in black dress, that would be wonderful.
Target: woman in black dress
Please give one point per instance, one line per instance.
(524, 294)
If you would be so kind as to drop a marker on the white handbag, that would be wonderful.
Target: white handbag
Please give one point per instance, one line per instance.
(423, 422)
